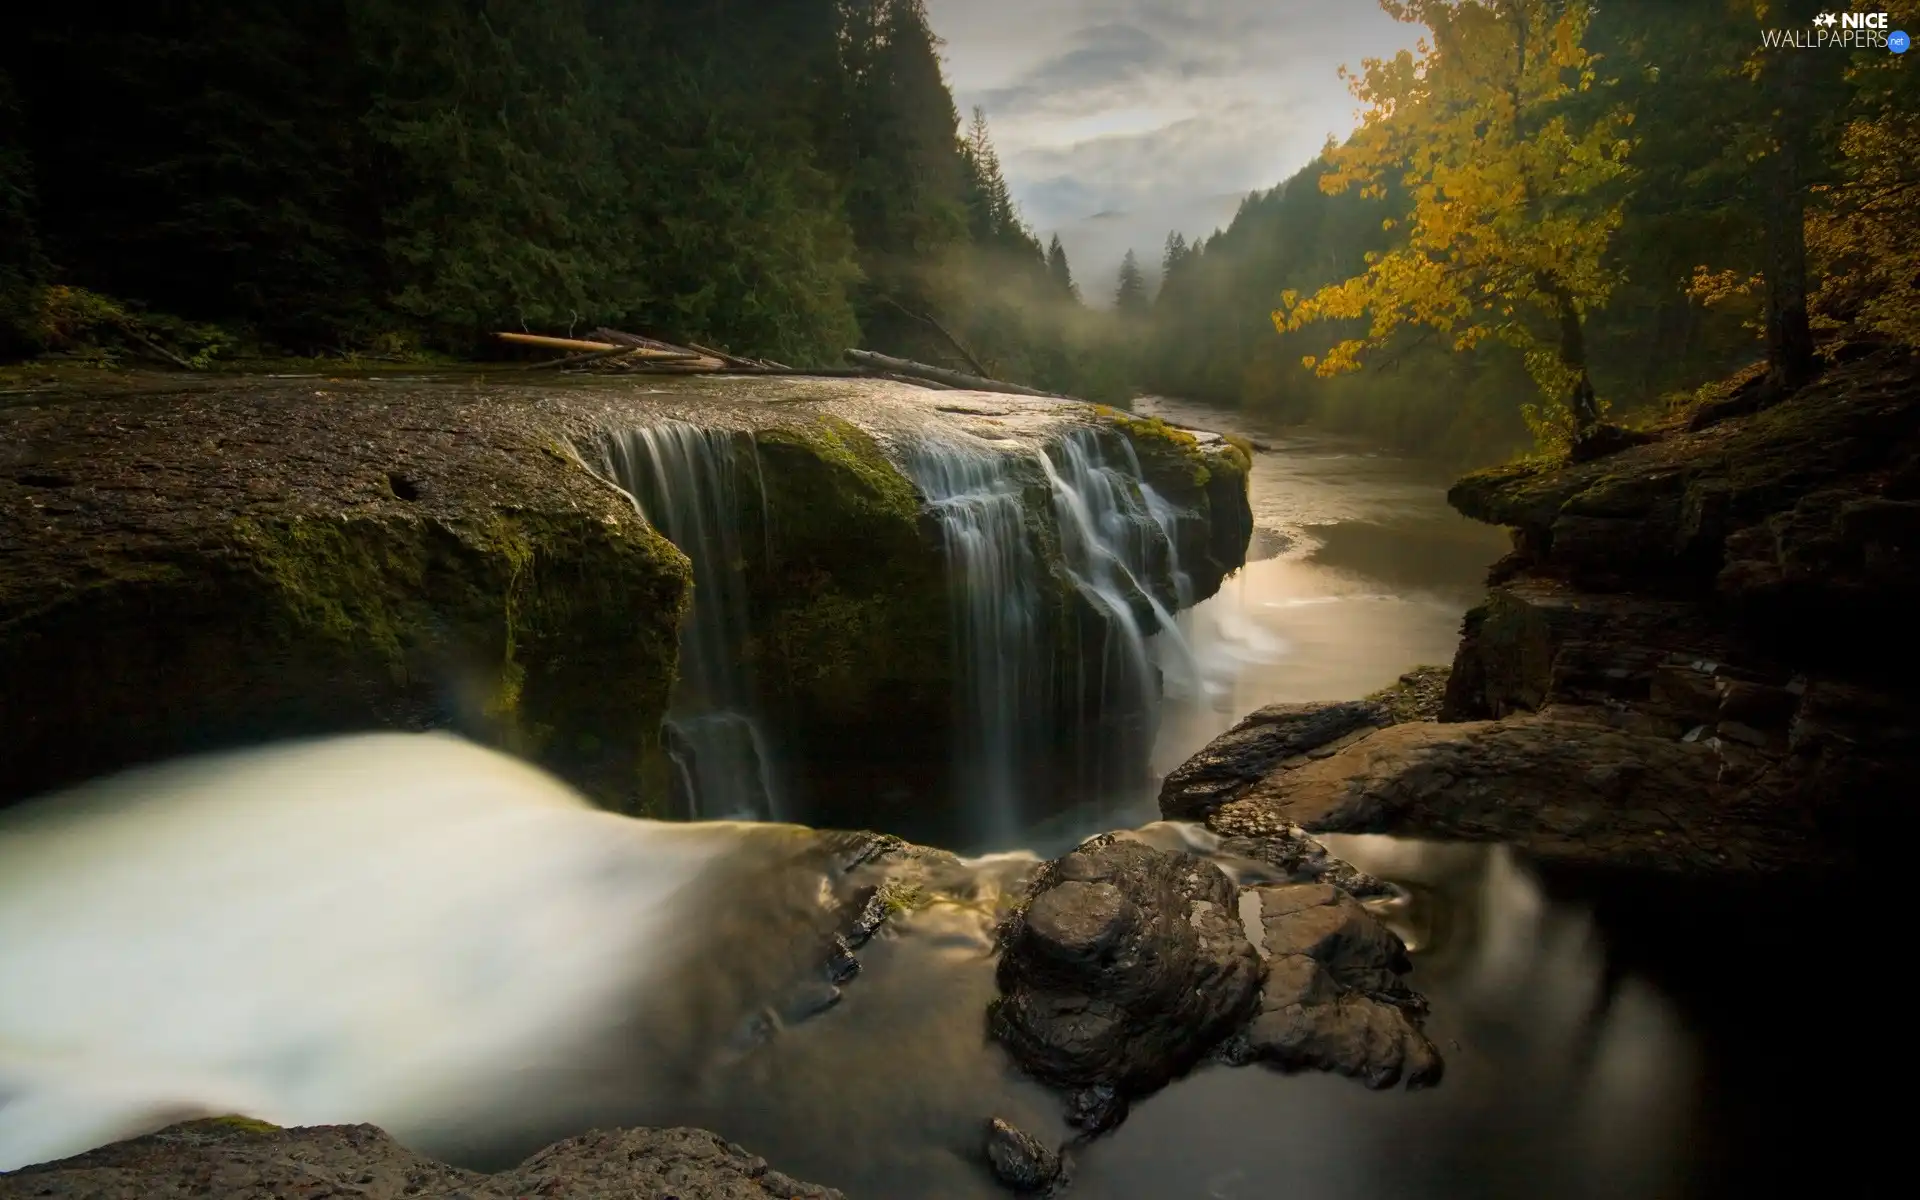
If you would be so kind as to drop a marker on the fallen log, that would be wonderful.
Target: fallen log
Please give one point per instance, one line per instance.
(575, 360)
(554, 343)
(886, 364)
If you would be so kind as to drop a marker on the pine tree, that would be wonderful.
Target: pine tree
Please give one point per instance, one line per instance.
(1059, 271)
(1130, 297)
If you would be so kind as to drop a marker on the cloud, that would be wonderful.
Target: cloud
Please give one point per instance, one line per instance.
(1129, 104)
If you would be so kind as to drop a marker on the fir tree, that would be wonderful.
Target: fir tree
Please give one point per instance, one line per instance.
(1130, 297)
(1059, 271)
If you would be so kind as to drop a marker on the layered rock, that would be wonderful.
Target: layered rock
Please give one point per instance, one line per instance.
(238, 1160)
(187, 564)
(1685, 664)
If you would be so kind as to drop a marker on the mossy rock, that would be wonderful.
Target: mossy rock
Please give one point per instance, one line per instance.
(231, 566)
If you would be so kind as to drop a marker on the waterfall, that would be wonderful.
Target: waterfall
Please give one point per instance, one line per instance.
(1002, 658)
(1117, 540)
(685, 482)
(1041, 705)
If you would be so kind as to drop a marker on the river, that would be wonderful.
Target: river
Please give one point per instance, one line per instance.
(422, 934)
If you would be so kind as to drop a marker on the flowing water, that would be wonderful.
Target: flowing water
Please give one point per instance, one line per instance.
(411, 931)
(685, 481)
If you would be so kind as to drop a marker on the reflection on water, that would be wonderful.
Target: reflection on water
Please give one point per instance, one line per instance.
(422, 934)
(1562, 1080)
(1358, 571)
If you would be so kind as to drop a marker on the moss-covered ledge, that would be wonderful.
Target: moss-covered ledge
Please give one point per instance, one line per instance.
(1204, 479)
(189, 570)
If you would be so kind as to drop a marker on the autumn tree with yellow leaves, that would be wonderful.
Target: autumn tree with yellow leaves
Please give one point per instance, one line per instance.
(1510, 183)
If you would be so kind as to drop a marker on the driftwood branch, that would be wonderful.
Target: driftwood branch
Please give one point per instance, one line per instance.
(944, 332)
(154, 347)
(887, 364)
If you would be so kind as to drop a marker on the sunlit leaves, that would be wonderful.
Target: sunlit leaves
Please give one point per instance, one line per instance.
(1508, 224)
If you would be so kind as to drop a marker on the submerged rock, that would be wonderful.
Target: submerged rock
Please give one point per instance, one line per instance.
(234, 1160)
(1019, 1160)
(1123, 969)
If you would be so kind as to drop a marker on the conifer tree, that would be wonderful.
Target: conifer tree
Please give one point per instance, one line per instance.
(1130, 296)
(1058, 269)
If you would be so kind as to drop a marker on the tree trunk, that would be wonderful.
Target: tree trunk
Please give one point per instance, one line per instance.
(1789, 335)
(1581, 400)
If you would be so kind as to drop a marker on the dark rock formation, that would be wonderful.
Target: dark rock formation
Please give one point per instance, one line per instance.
(1687, 656)
(1128, 964)
(1019, 1160)
(187, 564)
(1574, 784)
(236, 1160)
(1276, 737)
(1123, 969)
(1334, 998)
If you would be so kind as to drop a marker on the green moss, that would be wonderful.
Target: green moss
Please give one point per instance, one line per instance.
(237, 1122)
(1163, 450)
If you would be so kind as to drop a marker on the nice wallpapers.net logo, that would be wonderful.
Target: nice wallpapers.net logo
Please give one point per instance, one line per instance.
(1841, 31)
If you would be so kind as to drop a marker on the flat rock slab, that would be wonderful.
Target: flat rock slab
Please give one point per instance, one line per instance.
(1561, 784)
(1125, 967)
(1266, 740)
(224, 1160)
(1335, 998)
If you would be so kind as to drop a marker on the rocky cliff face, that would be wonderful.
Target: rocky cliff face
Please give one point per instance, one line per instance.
(1688, 664)
(191, 563)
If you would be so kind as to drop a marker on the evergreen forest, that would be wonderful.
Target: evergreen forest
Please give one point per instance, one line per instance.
(1554, 213)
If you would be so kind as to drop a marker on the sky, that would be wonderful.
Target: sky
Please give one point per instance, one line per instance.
(1159, 114)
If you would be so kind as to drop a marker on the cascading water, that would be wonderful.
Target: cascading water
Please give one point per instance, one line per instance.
(1117, 540)
(685, 481)
(1041, 704)
(999, 616)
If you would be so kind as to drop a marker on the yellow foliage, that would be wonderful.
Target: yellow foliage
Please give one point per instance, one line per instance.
(1507, 224)
(1861, 240)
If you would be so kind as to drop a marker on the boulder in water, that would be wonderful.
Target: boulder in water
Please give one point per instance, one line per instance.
(1020, 1160)
(1335, 998)
(1124, 968)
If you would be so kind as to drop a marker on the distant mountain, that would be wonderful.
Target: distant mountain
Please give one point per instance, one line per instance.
(1096, 244)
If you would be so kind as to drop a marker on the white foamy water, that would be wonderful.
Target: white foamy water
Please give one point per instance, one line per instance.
(374, 928)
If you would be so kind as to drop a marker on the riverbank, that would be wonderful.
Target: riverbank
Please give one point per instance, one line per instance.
(1681, 667)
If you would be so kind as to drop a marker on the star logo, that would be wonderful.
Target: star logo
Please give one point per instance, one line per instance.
(1827, 19)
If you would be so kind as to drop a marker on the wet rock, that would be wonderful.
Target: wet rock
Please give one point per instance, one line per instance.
(1019, 1160)
(234, 1160)
(1124, 968)
(1335, 998)
(1568, 784)
(1265, 740)
(1296, 857)
(1094, 1110)
(1417, 695)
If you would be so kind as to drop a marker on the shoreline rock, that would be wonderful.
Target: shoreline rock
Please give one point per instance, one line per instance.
(225, 1159)
(1686, 665)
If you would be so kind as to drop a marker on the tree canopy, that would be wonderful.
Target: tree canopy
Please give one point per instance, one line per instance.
(1509, 221)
